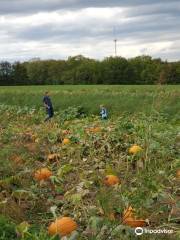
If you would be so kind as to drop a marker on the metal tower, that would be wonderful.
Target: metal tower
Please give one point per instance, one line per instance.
(115, 47)
(115, 42)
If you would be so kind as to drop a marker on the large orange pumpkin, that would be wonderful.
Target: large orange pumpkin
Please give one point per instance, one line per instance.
(42, 174)
(135, 149)
(62, 226)
(111, 180)
(66, 141)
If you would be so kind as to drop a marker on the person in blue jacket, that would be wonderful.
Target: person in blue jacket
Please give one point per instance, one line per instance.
(103, 112)
(48, 105)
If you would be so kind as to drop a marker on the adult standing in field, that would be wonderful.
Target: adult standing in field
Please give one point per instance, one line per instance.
(48, 105)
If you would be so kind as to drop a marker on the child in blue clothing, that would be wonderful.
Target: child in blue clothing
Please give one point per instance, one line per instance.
(103, 112)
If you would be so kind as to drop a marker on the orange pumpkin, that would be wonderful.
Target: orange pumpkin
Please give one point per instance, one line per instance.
(42, 174)
(66, 141)
(135, 149)
(111, 180)
(178, 173)
(62, 226)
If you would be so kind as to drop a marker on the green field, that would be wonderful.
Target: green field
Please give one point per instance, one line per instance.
(117, 98)
(146, 116)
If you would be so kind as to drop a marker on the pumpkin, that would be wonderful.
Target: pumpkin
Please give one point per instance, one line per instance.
(178, 173)
(66, 141)
(62, 226)
(111, 180)
(135, 149)
(42, 174)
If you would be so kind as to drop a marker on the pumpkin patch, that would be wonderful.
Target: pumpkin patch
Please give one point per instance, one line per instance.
(75, 178)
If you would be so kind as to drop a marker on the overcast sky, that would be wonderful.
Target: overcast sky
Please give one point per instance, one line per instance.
(61, 28)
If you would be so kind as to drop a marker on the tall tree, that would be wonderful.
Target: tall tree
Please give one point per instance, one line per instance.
(6, 73)
(19, 74)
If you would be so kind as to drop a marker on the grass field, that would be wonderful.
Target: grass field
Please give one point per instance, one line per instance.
(117, 98)
(80, 151)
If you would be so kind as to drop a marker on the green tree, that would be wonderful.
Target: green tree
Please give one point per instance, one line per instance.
(6, 73)
(82, 70)
(19, 74)
(116, 70)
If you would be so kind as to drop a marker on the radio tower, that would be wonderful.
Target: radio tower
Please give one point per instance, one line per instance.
(115, 47)
(115, 42)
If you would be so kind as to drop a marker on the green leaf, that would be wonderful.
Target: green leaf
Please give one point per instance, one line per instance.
(65, 169)
(22, 228)
(76, 198)
(95, 223)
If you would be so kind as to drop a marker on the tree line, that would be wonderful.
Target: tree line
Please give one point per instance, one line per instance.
(81, 70)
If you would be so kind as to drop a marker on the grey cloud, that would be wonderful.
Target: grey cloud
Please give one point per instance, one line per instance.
(171, 8)
(150, 28)
(34, 6)
(146, 22)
